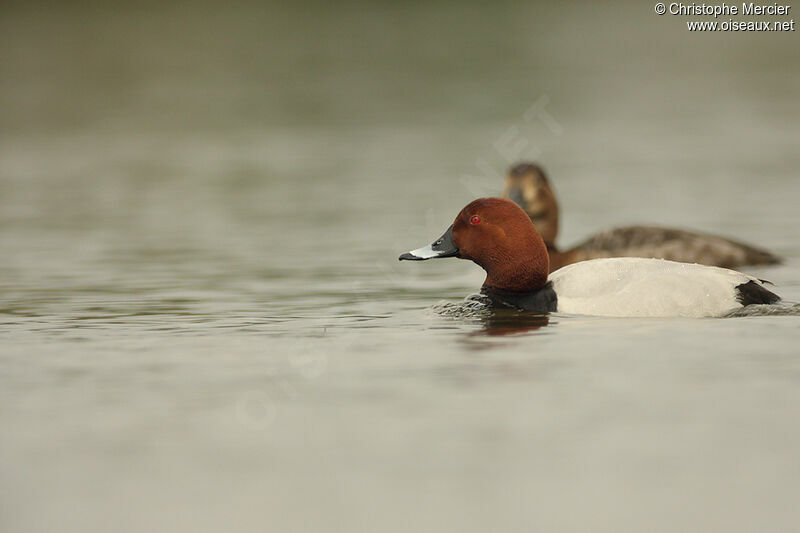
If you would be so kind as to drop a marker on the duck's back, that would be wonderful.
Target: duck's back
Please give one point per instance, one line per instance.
(653, 287)
(672, 244)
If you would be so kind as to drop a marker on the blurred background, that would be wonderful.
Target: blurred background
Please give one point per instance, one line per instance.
(203, 325)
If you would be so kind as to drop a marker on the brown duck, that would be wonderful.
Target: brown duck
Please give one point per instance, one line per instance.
(528, 186)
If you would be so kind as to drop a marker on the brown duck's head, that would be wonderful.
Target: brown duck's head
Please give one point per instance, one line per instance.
(527, 185)
(498, 236)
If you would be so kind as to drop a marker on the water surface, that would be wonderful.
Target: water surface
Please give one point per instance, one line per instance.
(204, 327)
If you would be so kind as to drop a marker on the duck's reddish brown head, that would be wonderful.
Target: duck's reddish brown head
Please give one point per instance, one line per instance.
(499, 236)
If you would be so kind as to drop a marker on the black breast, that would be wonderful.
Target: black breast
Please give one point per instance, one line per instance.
(543, 300)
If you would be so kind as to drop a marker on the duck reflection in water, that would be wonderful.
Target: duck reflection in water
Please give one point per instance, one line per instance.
(511, 322)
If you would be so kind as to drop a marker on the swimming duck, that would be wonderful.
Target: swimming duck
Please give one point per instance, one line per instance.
(527, 185)
(498, 235)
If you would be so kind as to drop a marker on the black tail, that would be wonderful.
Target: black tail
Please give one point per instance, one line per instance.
(753, 293)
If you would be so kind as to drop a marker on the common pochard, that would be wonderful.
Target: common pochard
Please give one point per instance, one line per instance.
(498, 235)
(527, 185)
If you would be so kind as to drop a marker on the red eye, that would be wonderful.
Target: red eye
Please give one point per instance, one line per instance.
(475, 219)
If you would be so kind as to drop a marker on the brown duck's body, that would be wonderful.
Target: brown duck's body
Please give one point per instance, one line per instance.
(527, 185)
(663, 243)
